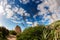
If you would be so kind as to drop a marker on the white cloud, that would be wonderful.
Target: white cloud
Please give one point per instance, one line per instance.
(1, 9)
(53, 7)
(21, 11)
(24, 1)
(35, 24)
(29, 22)
(15, 9)
(8, 6)
(27, 14)
(37, 1)
(52, 4)
(15, 21)
(9, 13)
(15, 18)
(5, 8)
(34, 16)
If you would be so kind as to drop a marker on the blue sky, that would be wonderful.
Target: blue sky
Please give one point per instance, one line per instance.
(27, 13)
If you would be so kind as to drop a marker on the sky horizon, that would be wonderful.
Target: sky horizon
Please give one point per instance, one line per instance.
(26, 13)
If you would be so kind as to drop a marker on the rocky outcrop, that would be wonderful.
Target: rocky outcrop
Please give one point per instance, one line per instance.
(17, 29)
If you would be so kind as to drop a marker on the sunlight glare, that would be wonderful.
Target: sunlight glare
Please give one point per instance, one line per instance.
(0, 24)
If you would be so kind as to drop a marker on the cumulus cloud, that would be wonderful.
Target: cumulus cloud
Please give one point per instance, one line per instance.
(6, 9)
(52, 7)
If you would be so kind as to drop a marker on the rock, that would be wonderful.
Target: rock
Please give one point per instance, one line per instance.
(17, 29)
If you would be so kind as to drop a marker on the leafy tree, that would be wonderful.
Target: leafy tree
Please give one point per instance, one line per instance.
(3, 33)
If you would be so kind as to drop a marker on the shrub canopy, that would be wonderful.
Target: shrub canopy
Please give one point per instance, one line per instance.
(34, 33)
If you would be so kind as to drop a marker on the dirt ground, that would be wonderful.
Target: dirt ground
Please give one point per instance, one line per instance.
(11, 37)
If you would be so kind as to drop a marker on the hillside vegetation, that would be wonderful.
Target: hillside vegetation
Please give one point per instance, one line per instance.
(39, 32)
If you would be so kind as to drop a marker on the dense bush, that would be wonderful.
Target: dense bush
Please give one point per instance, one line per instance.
(3, 38)
(12, 32)
(34, 33)
(3, 33)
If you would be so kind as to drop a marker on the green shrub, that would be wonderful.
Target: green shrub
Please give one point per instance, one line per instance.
(32, 33)
(12, 32)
